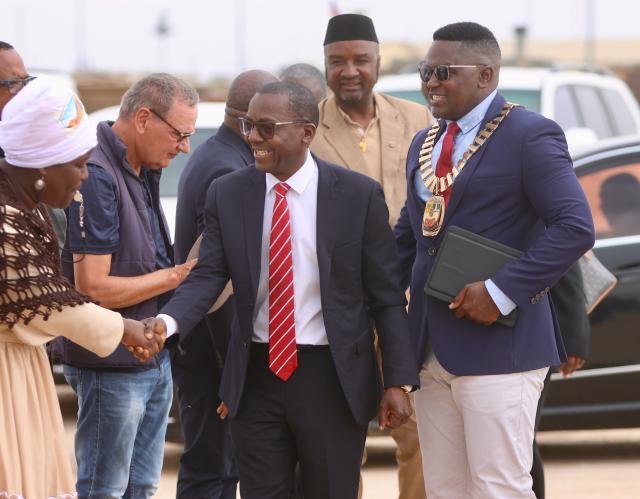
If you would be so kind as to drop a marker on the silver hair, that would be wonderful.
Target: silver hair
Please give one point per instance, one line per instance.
(158, 91)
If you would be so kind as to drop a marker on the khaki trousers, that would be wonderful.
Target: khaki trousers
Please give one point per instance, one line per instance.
(410, 477)
(477, 432)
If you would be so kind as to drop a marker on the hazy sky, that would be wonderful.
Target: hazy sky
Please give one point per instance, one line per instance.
(210, 38)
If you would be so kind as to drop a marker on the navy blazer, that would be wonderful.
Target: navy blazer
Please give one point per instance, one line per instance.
(519, 189)
(359, 281)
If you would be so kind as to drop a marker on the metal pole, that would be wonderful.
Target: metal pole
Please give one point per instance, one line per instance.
(590, 32)
(81, 54)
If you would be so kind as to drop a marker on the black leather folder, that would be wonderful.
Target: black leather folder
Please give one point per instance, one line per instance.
(465, 257)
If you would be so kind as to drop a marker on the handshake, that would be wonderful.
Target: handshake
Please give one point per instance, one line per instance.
(144, 338)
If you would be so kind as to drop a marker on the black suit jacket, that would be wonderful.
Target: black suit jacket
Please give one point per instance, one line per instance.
(220, 154)
(567, 297)
(359, 281)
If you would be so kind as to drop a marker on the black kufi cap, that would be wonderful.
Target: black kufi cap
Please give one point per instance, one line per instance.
(350, 27)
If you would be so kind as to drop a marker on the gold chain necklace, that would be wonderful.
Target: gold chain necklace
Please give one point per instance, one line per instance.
(434, 209)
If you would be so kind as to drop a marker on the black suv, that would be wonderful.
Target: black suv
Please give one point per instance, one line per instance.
(605, 393)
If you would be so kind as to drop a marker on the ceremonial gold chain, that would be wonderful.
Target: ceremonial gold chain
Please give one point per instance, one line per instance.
(438, 185)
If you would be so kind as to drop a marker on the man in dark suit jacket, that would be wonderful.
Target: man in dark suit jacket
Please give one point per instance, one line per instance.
(480, 385)
(207, 467)
(567, 297)
(343, 280)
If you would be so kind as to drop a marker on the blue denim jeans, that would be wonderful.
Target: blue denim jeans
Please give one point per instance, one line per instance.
(122, 421)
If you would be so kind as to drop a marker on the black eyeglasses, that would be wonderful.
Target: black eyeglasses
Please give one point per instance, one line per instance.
(266, 129)
(180, 136)
(442, 71)
(14, 86)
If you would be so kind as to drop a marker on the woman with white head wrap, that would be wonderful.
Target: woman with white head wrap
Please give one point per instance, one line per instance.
(47, 138)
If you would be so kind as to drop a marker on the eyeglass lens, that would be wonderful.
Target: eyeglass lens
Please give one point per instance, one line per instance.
(14, 86)
(265, 129)
(180, 136)
(441, 71)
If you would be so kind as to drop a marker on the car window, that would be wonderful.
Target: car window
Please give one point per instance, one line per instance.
(619, 112)
(566, 112)
(593, 111)
(171, 174)
(613, 194)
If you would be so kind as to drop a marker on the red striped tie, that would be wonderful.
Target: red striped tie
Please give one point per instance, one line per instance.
(283, 358)
(445, 161)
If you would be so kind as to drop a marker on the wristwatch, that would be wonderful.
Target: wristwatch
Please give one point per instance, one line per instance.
(406, 388)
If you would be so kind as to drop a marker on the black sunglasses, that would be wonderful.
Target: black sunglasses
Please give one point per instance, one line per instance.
(180, 136)
(266, 129)
(441, 71)
(14, 86)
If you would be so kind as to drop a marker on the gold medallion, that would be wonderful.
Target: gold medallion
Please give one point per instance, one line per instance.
(433, 216)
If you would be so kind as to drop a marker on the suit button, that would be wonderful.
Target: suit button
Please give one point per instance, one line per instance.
(432, 251)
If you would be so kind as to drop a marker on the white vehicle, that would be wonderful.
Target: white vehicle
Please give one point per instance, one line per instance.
(210, 117)
(589, 106)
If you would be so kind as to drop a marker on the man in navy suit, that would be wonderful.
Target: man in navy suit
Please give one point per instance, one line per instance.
(481, 381)
(207, 467)
(304, 392)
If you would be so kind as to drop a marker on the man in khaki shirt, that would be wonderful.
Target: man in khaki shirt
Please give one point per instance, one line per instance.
(370, 133)
(360, 129)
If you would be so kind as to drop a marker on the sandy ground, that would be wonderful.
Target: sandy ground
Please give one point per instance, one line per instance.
(579, 464)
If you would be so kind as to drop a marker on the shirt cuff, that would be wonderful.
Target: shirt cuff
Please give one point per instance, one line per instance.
(172, 325)
(502, 301)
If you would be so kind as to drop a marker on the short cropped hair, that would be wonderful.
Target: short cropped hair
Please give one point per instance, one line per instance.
(302, 103)
(5, 46)
(472, 35)
(303, 71)
(158, 91)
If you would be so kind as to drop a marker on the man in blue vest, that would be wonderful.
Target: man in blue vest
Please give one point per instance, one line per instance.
(122, 257)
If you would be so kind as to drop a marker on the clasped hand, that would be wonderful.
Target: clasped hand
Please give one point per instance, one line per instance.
(144, 339)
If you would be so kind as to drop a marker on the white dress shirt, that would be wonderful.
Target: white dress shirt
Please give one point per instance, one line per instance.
(302, 199)
(303, 204)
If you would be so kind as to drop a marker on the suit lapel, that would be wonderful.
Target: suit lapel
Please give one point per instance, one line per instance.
(253, 215)
(340, 137)
(328, 214)
(463, 179)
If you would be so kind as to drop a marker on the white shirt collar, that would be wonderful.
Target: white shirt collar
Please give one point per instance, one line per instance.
(299, 180)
